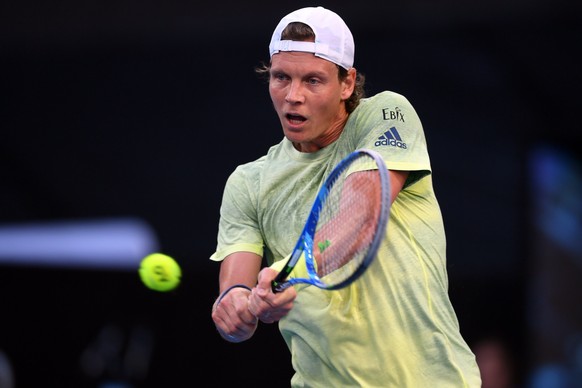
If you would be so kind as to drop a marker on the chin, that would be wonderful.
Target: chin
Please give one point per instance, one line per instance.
(294, 137)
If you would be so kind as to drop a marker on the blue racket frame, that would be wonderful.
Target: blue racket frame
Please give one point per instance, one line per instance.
(305, 242)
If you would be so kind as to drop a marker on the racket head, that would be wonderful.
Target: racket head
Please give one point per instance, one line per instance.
(346, 224)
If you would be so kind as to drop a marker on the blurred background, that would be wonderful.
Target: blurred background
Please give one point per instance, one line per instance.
(121, 120)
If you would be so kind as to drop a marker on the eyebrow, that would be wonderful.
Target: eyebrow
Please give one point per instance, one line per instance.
(309, 74)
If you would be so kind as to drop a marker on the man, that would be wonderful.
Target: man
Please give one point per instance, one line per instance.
(393, 327)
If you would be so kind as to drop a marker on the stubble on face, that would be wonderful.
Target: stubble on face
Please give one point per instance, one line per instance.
(307, 96)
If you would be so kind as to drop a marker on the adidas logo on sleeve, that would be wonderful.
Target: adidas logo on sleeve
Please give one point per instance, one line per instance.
(390, 138)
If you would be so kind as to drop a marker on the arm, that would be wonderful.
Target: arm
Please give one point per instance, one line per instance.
(270, 307)
(230, 312)
(397, 180)
(359, 207)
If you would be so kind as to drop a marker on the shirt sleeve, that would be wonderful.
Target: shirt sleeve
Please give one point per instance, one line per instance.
(238, 228)
(389, 124)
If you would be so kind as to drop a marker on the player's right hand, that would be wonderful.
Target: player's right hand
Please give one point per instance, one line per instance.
(267, 306)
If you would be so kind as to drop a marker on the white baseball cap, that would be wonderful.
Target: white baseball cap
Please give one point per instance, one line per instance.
(333, 39)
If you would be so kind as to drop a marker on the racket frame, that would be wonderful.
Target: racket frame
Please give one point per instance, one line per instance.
(304, 244)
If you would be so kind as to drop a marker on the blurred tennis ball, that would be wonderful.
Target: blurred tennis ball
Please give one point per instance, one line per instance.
(160, 272)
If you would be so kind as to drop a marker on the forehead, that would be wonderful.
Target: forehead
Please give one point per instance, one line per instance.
(300, 61)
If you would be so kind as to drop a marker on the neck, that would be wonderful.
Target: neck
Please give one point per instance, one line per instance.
(328, 137)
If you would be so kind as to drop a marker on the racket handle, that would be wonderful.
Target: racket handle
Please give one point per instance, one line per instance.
(279, 284)
(279, 287)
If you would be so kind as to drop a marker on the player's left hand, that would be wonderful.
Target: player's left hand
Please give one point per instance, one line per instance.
(232, 317)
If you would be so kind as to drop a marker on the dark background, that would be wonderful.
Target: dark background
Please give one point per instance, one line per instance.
(141, 109)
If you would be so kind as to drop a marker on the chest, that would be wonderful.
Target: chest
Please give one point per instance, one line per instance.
(285, 200)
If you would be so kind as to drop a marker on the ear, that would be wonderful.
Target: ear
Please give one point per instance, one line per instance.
(348, 84)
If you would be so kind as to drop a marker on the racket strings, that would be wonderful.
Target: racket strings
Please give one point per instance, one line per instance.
(347, 224)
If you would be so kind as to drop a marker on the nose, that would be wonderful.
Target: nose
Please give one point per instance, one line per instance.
(294, 93)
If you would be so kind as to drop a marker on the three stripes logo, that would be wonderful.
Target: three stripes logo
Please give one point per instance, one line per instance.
(391, 138)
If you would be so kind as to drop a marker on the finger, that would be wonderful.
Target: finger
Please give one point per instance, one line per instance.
(267, 318)
(251, 309)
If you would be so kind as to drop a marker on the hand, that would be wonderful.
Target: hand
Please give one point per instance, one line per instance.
(270, 307)
(232, 317)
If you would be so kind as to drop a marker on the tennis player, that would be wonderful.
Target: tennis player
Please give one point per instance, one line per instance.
(393, 327)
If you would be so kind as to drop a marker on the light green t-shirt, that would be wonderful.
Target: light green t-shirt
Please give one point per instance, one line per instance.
(395, 326)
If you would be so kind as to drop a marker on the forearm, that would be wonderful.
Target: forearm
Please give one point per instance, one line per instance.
(239, 268)
(230, 313)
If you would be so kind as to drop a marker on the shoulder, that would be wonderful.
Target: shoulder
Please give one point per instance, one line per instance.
(248, 171)
(385, 98)
(387, 107)
(382, 107)
(253, 170)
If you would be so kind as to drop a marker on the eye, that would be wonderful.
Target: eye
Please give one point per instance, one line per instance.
(279, 76)
(313, 81)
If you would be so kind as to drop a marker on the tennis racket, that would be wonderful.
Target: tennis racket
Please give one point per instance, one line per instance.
(345, 226)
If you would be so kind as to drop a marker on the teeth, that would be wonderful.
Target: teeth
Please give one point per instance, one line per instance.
(295, 118)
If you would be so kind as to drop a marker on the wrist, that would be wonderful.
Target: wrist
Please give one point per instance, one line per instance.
(223, 294)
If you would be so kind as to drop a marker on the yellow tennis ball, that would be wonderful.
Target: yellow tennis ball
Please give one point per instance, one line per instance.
(160, 272)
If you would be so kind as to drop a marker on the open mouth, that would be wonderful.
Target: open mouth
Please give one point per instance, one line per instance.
(295, 119)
